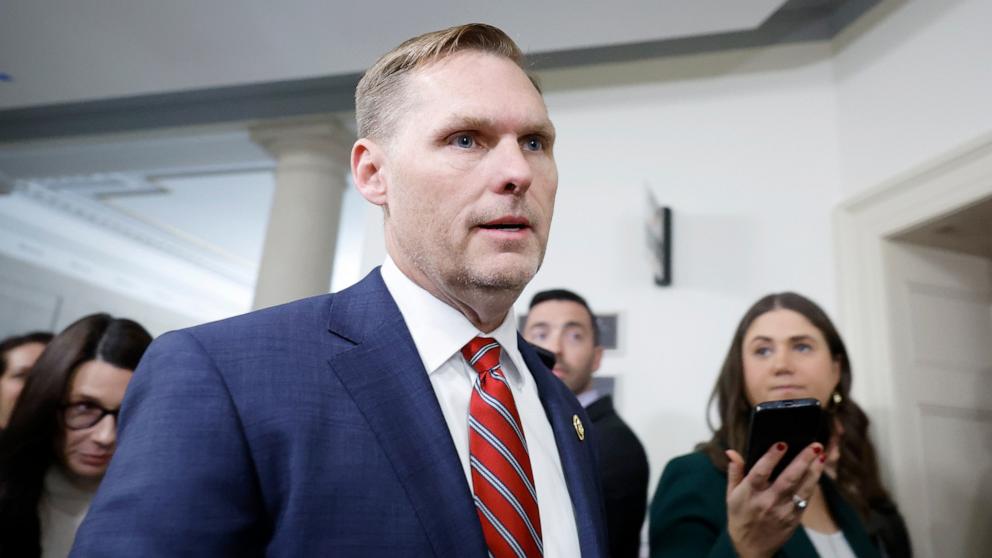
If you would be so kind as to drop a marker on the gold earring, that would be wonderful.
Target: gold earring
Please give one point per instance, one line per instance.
(838, 398)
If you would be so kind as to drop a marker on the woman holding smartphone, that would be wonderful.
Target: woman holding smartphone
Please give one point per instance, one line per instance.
(785, 347)
(63, 433)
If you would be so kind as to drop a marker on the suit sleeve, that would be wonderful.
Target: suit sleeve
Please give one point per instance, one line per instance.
(688, 513)
(182, 481)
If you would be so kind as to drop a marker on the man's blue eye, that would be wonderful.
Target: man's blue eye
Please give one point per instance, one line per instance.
(533, 144)
(464, 140)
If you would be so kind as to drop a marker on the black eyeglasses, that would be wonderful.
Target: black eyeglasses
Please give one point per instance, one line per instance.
(83, 415)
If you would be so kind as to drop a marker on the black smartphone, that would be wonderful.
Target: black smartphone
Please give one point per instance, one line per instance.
(797, 422)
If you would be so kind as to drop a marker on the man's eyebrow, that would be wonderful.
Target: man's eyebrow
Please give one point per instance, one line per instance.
(542, 127)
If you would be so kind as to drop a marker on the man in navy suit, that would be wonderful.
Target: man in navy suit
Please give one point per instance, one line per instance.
(340, 425)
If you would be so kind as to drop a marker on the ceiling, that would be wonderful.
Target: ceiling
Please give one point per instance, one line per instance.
(57, 52)
(99, 66)
(967, 231)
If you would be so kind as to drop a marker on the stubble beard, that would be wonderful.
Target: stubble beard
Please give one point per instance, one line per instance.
(469, 278)
(457, 276)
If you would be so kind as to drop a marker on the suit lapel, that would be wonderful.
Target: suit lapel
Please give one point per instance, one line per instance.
(799, 545)
(600, 408)
(848, 520)
(581, 478)
(385, 377)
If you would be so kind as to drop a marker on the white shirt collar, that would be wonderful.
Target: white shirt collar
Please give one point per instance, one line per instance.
(438, 330)
(588, 397)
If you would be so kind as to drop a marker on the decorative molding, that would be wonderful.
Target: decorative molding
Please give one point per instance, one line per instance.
(325, 135)
(101, 258)
(959, 413)
(74, 196)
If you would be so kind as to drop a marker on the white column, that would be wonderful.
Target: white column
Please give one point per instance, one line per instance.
(312, 165)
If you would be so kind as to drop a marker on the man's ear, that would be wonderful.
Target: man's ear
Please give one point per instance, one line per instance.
(367, 160)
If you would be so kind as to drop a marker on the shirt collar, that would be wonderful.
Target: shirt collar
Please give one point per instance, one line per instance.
(438, 330)
(588, 397)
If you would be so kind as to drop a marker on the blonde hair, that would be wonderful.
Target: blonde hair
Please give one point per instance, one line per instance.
(379, 96)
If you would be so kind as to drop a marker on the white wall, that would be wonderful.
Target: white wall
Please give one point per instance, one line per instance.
(914, 81)
(742, 147)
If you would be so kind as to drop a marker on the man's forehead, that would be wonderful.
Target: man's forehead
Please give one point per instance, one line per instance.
(560, 312)
(459, 73)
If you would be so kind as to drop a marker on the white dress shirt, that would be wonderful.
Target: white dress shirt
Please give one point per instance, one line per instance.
(439, 332)
(588, 397)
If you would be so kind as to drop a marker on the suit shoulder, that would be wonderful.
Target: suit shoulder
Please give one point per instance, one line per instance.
(695, 464)
(281, 319)
(689, 482)
(689, 511)
(692, 477)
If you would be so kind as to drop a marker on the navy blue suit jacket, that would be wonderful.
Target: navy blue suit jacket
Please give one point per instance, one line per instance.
(308, 429)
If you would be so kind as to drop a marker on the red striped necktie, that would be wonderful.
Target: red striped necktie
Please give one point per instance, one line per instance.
(502, 480)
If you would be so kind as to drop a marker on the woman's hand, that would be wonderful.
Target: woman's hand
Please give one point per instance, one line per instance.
(761, 516)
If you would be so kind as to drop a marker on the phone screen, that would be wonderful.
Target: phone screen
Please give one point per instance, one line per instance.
(797, 422)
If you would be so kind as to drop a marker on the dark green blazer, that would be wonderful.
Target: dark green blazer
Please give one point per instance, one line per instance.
(689, 515)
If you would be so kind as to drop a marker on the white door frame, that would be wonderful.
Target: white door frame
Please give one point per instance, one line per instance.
(862, 227)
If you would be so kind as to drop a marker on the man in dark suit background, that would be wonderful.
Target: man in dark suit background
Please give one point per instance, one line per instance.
(561, 321)
(403, 416)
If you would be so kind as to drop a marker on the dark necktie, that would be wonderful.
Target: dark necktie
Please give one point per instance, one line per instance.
(502, 480)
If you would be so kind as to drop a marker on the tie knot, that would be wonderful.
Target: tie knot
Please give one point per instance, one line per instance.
(482, 353)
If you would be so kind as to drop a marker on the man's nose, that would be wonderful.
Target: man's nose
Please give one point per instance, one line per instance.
(552, 344)
(514, 172)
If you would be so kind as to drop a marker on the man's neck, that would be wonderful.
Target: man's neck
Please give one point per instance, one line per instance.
(484, 308)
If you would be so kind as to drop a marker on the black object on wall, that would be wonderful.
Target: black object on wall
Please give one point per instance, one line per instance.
(659, 232)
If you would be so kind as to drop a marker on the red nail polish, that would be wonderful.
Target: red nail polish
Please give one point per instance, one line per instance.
(823, 458)
(817, 450)
(780, 446)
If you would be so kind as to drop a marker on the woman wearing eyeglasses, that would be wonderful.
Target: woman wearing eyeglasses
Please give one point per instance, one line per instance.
(63, 432)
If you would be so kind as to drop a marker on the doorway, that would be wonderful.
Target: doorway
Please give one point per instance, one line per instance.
(915, 275)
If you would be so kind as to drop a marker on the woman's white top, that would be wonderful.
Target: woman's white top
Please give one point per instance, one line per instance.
(830, 545)
(62, 508)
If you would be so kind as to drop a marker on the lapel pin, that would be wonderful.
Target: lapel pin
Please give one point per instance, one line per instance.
(580, 430)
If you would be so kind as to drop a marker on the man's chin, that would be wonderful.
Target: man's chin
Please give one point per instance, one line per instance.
(504, 272)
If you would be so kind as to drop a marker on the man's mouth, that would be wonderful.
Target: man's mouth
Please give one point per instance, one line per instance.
(509, 224)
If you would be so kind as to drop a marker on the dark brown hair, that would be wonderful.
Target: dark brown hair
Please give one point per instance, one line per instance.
(11, 343)
(857, 471)
(28, 445)
(379, 97)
